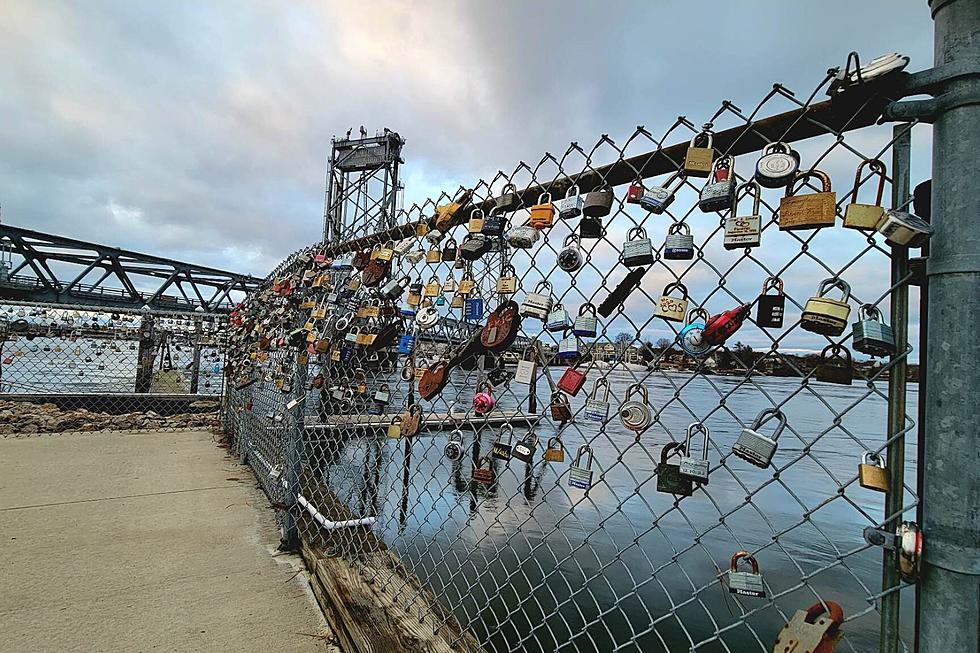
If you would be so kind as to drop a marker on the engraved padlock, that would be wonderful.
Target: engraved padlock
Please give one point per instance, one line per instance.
(638, 249)
(475, 224)
(580, 476)
(503, 450)
(670, 308)
(771, 307)
(866, 216)
(571, 205)
(524, 450)
(635, 414)
(669, 479)
(872, 473)
(699, 155)
(871, 335)
(432, 287)
(694, 468)
(808, 210)
(835, 365)
(481, 474)
(778, 165)
(526, 366)
(744, 230)
(570, 258)
(507, 283)
(691, 338)
(508, 199)
(586, 323)
(597, 405)
(745, 583)
(825, 315)
(454, 447)
(718, 193)
(679, 244)
(755, 448)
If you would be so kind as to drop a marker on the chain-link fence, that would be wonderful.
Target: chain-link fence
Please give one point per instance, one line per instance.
(581, 478)
(91, 369)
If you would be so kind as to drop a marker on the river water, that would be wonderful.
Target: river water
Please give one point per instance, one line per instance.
(535, 565)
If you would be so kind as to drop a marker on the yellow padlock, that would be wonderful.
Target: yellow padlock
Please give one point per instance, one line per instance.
(826, 315)
(866, 216)
(700, 155)
(810, 211)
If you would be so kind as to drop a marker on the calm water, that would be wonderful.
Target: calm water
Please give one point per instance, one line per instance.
(552, 567)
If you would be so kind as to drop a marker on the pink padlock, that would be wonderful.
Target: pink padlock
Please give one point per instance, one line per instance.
(483, 401)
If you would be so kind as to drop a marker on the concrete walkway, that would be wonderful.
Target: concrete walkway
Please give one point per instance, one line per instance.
(143, 542)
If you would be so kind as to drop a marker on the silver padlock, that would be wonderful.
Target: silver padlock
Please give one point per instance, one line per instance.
(745, 230)
(558, 319)
(570, 258)
(454, 448)
(568, 347)
(755, 448)
(523, 237)
(637, 250)
(901, 228)
(508, 199)
(571, 205)
(679, 244)
(586, 324)
(596, 408)
(382, 394)
(656, 199)
(537, 304)
(719, 193)
(395, 288)
(427, 317)
(579, 476)
(778, 166)
(871, 335)
(693, 468)
(745, 583)
(526, 366)
(635, 414)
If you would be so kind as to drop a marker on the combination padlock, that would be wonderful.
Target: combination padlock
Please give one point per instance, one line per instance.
(778, 166)
(755, 448)
(670, 308)
(454, 447)
(745, 230)
(570, 258)
(871, 335)
(635, 414)
(825, 315)
(695, 469)
(586, 324)
(719, 193)
(596, 405)
(835, 365)
(700, 154)
(580, 476)
(811, 210)
(769, 313)
(483, 400)
(638, 249)
(679, 244)
(571, 205)
(473, 308)
(691, 338)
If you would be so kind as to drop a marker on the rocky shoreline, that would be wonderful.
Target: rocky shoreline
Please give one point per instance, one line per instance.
(27, 418)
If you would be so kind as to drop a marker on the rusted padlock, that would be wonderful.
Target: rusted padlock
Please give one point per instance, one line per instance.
(816, 629)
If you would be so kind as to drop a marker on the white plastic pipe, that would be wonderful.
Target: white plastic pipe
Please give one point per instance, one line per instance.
(333, 525)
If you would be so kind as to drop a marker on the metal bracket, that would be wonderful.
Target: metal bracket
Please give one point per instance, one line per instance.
(951, 85)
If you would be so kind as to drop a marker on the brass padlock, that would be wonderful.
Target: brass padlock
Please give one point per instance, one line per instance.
(872, 473)
(866, 216)
(475, 224)
(670, 308)
(841, 373)
(700, 155)
(825, 315)
(507, 283)
(811, 211)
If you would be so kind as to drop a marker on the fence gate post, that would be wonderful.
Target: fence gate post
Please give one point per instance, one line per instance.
(949, 617)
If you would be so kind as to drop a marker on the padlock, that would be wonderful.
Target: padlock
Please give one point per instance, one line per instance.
(866, 216)
(542, 213)
(596, 406)
(755, 448)
(679, 244)
(637, 250)
(771, 307)
(586, 324)
(386, 252)
(579, 476)
(568, 347)
(571, 205)
(571, 381)
(778, 166)
(474, 246)
(835, 365)
(522, 237)
(814, 630)
(483, 400)
(406, 344)
(554, 452)
(494, 224)
(872, 473)
(352, 334)
(414, 298)
(670, 308)
(904, 229)
(440, 300)
(699, 156)
(421, 228)
(570, 258)
(433, 255)
(718, 193)
(431, 288)
(508, 200)
(457, 302)
(524, 450)
(824, 315)
(597, 203)
(507, 283)
(403, 246)
(382, 394)
(475, 223)
(454, 447)
(693, 468)
(537, 304)
(481, 474)
(450, 250)
(669, 479)
(561, 410)
(743, 231)
(466, 284)
(871, 335)
(395, 427)
(414, 257)
(473, 308)
(503, 450)
(635, 414)
(426, 317)
(745, 583)
(449, 285)
(526, 366)
(810, 211)
(411, 420)
(721, 327)
(657, 199)
(558, 319)
(395, 288)
(447, 212)
(591, 227)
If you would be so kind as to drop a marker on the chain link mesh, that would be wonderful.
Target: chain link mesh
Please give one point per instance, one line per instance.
(528, 562)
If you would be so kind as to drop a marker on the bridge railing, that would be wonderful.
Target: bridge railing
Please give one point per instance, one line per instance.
(589, 537)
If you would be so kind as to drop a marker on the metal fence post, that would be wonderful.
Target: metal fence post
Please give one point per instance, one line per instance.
(293, 464)
(949, 617)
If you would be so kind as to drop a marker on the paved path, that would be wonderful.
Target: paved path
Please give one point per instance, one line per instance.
(143, 542)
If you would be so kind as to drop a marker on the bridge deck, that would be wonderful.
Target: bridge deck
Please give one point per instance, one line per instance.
(149, 541)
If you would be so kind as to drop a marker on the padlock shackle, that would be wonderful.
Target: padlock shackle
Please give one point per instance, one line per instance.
(691, 430)
(601, 381)
(878, 168)
(836, 350)
(679, 227)
(678, 286)
(542, 196)
(584, 449)
(765, 416)
(698, 311)
(870, 312)
(640, 389)
(704, 136)
(586, 307)
(639, 231)
(751, 187)
(573, 237)
(833, 610)
(509, 186)
(827, 284)
(510, 433)
(553, 441)
(670, 449)
(744, 555)
(873, 459)
(824, 178)
(569, 193)
(726, 162)
(543, 284)
(772, 283)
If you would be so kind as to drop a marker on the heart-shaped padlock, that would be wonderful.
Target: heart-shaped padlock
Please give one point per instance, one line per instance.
(635, 414)
(483, 400)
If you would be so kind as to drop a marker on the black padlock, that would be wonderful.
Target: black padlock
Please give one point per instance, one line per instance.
(591, 227)
(771, 307)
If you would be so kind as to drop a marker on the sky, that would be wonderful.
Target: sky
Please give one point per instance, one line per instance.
(200, 131)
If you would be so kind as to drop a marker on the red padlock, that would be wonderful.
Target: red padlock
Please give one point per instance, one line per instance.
(483, 400)
(571, 381)
(720, 327)
(634, 193)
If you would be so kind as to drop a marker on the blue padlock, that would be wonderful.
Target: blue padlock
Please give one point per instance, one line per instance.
(346, 354)
(406, 344)
(690, 337)
(473, 309)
